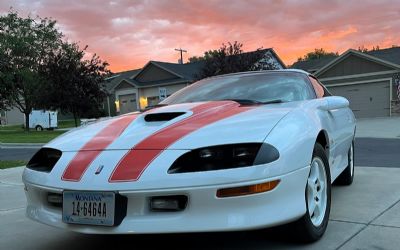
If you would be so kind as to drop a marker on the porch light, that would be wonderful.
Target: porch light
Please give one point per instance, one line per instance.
(117, 105)
(143, 102)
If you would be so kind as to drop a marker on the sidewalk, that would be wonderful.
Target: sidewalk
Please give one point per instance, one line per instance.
(385, 127)
(365, 215)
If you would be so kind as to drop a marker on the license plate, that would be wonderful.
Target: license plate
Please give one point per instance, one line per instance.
(91, 208)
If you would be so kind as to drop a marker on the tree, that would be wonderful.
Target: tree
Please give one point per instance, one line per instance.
(362, 49)
(230, 58)
(75, 84)
(207, 55)
(317, 54)
(25, 45)
(195, 59)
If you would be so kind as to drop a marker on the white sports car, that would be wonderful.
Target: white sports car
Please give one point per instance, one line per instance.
(232, 152)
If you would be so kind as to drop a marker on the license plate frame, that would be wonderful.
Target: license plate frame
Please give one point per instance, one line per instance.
(75, 211)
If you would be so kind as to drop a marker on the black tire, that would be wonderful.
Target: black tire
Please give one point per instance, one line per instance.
(347, 176)
(39, 128)
(304, 229)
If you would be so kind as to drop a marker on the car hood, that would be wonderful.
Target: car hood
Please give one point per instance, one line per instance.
(181, 126)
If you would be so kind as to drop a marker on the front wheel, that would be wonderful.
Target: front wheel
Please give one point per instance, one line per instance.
(313, 224)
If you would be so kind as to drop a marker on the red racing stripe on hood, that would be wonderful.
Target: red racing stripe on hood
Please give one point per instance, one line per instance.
(86, 155)
(136, 160)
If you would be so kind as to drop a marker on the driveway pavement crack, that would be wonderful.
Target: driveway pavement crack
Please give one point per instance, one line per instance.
(368, 224)
(377, 225)
(351, 222)
(384, 211)
(11, 183)
(11, 209)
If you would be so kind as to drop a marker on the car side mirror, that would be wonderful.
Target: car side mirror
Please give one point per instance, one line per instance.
(334, 102)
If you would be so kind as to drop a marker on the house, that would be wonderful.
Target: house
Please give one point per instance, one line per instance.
(12, 116)
(369, 80)
(145, 86)
(137, 89)
(109, 86)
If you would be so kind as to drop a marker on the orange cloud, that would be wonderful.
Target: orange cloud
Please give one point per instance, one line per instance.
(129, 33)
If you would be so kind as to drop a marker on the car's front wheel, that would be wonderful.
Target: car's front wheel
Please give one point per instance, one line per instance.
(313, 224)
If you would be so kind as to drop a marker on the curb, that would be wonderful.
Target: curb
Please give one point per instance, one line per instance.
(21, 145)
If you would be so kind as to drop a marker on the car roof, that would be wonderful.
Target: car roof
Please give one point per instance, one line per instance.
(261, 72)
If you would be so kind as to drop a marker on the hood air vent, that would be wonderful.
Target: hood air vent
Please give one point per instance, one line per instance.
(162, 117)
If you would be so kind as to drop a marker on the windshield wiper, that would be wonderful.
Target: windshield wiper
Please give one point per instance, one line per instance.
(253, 102)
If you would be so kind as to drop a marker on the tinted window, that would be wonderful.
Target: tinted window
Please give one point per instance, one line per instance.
(285, 86)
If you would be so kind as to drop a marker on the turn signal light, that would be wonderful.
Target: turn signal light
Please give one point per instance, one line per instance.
(247, 190)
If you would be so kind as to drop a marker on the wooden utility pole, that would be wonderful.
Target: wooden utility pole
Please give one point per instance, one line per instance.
(181, 50)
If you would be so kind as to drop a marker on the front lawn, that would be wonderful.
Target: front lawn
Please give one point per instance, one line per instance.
(67, 124)
(20, 136)
(12, 164)
(11, 128)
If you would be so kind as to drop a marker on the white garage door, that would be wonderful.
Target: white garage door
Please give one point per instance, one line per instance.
(127, 103)
(366, 99)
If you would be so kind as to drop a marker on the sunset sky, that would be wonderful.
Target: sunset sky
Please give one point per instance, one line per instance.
(129, 33)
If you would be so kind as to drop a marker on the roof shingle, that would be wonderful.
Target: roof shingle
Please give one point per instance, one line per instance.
(390, 54)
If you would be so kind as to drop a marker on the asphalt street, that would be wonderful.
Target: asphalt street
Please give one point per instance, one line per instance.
(374, 152)
(17, 153)
(369, 152)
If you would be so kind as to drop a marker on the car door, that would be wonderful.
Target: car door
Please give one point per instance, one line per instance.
(340, 121)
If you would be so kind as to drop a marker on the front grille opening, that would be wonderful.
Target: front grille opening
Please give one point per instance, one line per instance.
(162, 117)
(171, 203)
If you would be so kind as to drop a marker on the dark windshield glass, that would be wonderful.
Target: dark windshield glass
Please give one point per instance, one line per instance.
(285, 86)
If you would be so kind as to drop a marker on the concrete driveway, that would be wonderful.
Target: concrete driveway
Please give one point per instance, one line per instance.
(365, 215)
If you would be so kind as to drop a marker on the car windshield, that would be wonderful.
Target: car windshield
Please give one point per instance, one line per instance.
(251, 88)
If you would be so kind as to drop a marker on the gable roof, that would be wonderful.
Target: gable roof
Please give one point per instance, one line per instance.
(358, 53)
(116, 78)
(314, 64)
(187, 72)
(272, 51)
(389, 55)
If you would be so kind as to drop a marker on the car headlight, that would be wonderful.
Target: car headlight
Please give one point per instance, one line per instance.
(224, 157)
(44, 160)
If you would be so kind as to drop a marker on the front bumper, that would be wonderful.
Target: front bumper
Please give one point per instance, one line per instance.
(204, 212)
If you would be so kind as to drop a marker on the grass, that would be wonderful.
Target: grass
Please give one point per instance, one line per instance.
(61, 124)
(12, 164)
(28, 137)
(11, 128)
(16, 134)
(67, 124)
